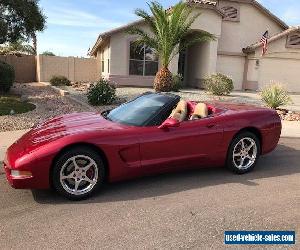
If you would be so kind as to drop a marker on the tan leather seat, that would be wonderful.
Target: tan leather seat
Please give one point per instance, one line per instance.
(201, 111)
(180, 112)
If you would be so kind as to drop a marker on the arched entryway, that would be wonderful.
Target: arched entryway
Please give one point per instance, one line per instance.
(197, 62)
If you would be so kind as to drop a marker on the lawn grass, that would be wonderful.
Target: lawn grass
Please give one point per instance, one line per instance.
(13, 102)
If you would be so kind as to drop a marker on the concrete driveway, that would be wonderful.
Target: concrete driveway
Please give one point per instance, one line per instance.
(181, 210)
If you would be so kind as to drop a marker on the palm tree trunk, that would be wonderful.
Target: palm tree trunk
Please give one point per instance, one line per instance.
(163, 80)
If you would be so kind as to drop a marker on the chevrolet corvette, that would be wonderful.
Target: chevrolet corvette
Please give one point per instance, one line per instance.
(155, 133)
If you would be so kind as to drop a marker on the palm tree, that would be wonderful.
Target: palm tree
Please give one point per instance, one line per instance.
(170, 33)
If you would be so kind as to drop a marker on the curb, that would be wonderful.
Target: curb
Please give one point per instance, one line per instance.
(56, 89)
(67, 95)
(73, 99)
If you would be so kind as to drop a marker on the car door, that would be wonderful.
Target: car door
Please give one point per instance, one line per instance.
(193, 143)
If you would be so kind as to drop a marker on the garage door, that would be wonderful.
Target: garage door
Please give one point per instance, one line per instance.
(284, 71)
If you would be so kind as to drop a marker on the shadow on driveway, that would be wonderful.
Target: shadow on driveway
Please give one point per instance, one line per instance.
(282, 162)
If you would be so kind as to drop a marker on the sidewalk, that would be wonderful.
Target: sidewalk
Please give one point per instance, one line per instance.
(8, 138)
(290, 129)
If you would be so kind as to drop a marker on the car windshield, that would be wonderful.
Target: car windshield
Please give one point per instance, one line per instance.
(139, 111)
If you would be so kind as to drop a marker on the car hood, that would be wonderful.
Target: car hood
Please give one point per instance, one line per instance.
(62, 126)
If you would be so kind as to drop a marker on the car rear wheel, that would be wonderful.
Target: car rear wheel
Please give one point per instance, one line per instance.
(243, 153)
(78, 173)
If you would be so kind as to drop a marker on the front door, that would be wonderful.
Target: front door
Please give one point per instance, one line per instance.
(191, 144)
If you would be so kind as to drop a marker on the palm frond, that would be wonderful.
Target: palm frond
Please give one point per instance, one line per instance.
(195, 38)
(144, 38)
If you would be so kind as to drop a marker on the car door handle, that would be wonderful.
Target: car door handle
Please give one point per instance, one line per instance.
(210, 125)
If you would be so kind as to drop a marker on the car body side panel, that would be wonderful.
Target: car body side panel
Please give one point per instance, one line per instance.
(122, 153)
(193, 143)
(266, 122)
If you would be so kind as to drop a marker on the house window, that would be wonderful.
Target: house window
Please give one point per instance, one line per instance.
(143, 60)
(231, 13)
(294, 40)
(102, 62)
(108, 65)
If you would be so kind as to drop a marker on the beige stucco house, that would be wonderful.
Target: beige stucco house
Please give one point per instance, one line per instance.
(238, 26)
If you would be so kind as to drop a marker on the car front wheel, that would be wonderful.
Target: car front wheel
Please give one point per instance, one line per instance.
(78, 173)
(243, 153)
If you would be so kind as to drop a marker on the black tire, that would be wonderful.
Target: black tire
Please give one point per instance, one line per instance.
(231, 162)
(62, 163)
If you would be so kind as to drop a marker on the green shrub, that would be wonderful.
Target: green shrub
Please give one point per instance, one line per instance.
(7, 76)
(60, 81)
(101, 93)
(177, 82)
(219, 84)
(48, 53)
(275, 95)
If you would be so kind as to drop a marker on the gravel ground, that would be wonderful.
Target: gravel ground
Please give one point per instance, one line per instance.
(48, 104)
(125, 94)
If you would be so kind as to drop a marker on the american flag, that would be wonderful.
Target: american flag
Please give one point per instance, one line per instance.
(264, 42)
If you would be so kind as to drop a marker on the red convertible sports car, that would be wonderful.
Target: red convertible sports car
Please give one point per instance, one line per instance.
(76, 154)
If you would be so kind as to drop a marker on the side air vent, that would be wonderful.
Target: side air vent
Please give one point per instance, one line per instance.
(294, 40)
(231, 13)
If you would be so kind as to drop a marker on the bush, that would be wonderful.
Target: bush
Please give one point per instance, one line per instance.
(7, 76)
(177, 82)
(60, 81)
(219, 84)
(275, 96)
(101, 93)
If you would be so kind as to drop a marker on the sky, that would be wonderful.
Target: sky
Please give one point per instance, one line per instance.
(74, 25)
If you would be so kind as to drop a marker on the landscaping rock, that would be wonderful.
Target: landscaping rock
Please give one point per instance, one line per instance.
(49, 103)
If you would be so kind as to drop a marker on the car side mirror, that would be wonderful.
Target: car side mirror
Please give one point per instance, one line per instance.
(170, 123)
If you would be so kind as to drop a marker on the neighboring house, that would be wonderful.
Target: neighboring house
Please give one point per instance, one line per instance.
(238, 26)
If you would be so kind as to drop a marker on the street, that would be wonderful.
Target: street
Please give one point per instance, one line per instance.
(179, 210)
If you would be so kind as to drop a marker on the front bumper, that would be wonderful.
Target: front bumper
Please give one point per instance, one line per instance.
(30, 175)
(18, 182)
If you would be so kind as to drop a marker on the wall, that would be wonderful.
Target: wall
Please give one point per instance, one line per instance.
(272, 69)
(209, 20)
(119, 42)
(280, 64)
(75, 69)
(236, 35)
(253, 23)
(232, 66)
(105, 53)
(25, 67)
(120, 53)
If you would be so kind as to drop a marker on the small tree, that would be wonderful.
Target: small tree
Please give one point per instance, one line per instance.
(169, 30)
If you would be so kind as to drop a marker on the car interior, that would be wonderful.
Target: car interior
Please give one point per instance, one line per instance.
(191, 111)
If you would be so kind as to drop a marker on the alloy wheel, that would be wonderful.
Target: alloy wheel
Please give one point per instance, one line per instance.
(245, 153)
(79, 175)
